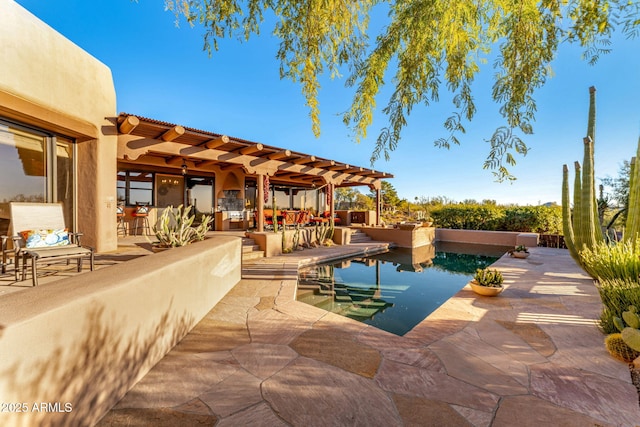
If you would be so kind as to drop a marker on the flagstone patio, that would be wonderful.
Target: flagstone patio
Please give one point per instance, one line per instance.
(532, 356)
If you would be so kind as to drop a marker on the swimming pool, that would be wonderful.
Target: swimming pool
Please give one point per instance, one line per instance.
(394, 290)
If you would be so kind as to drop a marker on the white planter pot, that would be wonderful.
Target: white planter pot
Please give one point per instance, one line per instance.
(485, 290)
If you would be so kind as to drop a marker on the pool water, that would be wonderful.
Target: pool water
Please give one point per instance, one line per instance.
(394, 290)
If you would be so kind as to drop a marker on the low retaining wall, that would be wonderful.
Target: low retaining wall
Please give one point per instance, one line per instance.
(405, 236)
(271, 243)
(502, 238)
(69, 350)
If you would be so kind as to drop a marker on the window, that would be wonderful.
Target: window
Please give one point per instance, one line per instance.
(135, 187)
(170, 190)
(35, 166)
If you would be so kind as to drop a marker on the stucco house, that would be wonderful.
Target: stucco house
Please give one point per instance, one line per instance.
(62, 141)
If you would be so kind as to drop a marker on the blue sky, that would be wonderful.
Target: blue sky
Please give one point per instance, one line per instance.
(160, 71)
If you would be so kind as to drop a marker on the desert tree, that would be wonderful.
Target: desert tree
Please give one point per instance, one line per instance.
(421, 48)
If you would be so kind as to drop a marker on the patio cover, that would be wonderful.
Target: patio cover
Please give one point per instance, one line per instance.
(152, 142)
(168, 144)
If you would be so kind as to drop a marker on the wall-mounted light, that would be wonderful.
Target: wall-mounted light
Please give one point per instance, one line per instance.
(184, 167)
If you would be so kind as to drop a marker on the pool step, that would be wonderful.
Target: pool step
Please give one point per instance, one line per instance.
(316, 288)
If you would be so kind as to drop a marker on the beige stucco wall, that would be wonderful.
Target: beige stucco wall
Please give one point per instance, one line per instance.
(86, 340)
(271, 243)
(404, 238)
(49, 82)
(504, 238)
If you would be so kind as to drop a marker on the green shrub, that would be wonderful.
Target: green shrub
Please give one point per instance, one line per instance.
(616, 295)
(536, 219)
(532, 219)
(468, 217)
(617, 260)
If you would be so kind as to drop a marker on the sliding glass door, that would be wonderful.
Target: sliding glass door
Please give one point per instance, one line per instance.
(34, 167)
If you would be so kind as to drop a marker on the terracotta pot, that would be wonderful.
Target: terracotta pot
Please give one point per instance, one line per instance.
(485, 290)
(520, 254)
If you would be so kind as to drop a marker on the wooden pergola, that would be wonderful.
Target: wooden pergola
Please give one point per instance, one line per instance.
(144, 141)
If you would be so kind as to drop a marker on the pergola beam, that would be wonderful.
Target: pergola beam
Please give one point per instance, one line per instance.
(129, 124)
(324, 164)
(354, 170)
(342, 167)
(175, 161)
(251, 149)
(172, 133)
(209, 151)
(217, 142)
(207, 163)
(296, 176)
(279, 155)
(304, 160)
(230, 166)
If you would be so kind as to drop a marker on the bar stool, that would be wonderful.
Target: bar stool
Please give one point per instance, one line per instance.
(122, 227)
(141, 216)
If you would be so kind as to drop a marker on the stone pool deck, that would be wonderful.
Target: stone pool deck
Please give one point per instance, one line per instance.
(531, 357)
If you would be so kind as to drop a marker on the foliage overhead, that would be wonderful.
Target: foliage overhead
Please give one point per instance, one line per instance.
(620, 184)
(388, 193)
(425, 44)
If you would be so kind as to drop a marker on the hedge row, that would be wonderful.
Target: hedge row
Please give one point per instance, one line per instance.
(536, 219)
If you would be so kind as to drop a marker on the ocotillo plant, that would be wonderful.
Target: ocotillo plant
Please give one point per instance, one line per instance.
(582, 229)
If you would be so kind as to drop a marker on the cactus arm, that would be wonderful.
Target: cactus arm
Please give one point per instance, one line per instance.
(591, 121)
(577, 208)
(632, 226)
(567, 223)
(590, 227)
(588, 164)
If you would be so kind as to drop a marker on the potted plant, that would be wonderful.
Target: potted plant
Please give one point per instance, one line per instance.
(520, 251)
(175, 228)
(487, 282)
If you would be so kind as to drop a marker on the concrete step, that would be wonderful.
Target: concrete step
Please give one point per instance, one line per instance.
(252, 255)
(360, 238)
(246, 241)
(250, 251)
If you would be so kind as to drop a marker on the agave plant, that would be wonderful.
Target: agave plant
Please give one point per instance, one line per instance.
(175, 227)
(490, 278)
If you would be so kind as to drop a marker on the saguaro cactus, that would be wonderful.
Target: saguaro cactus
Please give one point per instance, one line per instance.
(583, 228)
(632, 226)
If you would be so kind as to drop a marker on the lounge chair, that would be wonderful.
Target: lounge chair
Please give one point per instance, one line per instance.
(40, 234)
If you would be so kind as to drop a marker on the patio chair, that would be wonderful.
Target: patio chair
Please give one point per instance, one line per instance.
(268, 218)
(302, 218)
(141, 222)
(336, 218)
(120, 215)
(40, 234)
(4, 240)
(290, 218)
